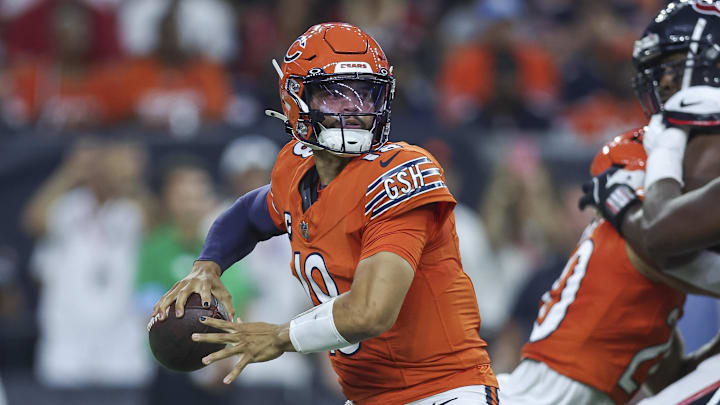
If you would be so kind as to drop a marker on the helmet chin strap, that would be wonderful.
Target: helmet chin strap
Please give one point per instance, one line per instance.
(349, 140)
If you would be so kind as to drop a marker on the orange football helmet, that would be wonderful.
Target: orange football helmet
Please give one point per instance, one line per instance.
(625, 151)
(336, 87)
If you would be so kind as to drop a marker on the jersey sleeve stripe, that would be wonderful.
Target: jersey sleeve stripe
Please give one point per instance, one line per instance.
(431, 171)
(369, 206)
(418, 191)
(395, 170)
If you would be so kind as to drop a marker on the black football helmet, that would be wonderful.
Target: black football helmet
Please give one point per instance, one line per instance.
(681, 45)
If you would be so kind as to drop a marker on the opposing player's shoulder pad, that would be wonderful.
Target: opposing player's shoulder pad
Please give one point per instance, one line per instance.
(625, 151)
(401, 177)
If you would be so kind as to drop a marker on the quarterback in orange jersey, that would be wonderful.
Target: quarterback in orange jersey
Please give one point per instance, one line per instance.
(373, 237)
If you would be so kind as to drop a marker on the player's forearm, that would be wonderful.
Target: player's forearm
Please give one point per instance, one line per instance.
(373, 303)
(633, 231)
(644, 227)
(675, 224)
(334, 324)
(357, 320)
(368, 309)
(236, 231)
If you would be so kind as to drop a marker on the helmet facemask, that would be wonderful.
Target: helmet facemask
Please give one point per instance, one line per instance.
(346, 114)
(679, 65)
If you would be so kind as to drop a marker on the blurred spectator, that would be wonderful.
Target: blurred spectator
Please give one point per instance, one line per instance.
(498, 80)
(203, 27)
(478, 259)
(28, 28)
(598, 96)
(175, 86)
(507, 346)
(246, 164)
(521, 215)
(67, 89)
(88, 218)
(167, 255)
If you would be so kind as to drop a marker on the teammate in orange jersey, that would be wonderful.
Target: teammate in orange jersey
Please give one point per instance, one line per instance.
(373, 238)
(608, 321)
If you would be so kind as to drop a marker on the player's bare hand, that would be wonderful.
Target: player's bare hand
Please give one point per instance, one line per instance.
(251, 342)
(204, 279)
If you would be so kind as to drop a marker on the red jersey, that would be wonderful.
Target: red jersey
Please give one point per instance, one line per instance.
(434, 345)
(603, 323)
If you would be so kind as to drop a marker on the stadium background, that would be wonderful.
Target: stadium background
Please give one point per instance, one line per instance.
(513, 96)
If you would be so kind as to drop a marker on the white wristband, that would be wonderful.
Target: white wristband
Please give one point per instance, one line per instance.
(314, 330)
(666, 160)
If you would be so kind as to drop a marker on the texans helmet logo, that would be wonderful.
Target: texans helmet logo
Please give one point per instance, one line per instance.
(707, 8)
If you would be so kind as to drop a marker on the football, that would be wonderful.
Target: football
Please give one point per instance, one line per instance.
(170, 340)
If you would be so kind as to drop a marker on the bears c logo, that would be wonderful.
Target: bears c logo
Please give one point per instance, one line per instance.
(296, 49)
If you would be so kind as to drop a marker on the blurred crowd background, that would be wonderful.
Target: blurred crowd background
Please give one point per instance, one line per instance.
(126, 126)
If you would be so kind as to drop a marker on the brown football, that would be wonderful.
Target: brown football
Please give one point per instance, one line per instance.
(170, 340)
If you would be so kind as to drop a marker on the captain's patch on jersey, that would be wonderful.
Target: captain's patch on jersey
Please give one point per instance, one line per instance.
(402, 183)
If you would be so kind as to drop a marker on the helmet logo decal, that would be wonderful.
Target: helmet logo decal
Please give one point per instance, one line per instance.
(301, 41)
(353, 67)
(707, 8)
(646, 43)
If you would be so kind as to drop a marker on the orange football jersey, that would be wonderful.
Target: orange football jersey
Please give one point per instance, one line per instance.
(603, 323)
(434, 345)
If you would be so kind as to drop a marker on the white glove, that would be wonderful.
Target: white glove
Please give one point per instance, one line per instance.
(653, 130)
(665, 148)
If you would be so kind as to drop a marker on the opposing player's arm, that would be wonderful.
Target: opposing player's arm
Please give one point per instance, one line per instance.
(232, 236)
(671, 224)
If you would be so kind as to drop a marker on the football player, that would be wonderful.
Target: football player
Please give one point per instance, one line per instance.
(609, 320)
(669, 226)
(373, 237)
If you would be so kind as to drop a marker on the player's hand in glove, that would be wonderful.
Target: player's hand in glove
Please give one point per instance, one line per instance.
(612, 192)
